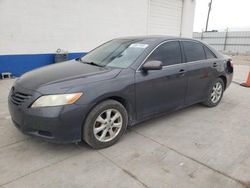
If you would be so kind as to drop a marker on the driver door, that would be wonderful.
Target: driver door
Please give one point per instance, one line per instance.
(164, 90)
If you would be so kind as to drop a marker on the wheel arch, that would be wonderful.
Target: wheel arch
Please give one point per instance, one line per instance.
(224, 80)
(125, 102)
(127, 105)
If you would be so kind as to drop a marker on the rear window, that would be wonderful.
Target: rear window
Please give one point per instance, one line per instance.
(193, 51)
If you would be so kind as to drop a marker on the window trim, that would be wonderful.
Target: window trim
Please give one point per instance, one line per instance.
(139, 67)
(182, 53)
(204, 46)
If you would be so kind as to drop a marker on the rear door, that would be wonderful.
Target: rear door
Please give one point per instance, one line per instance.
(163, 90)
(201, 70)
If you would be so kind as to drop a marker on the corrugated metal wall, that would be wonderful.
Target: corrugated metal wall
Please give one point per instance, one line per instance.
(230, 42)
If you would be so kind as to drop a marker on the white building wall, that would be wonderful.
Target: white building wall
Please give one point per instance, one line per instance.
(42, 26)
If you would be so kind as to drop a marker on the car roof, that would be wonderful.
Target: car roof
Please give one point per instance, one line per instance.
(155, 40)
(155, 37)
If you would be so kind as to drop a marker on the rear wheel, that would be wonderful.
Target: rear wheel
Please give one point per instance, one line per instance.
(105, 124)
(215, 93)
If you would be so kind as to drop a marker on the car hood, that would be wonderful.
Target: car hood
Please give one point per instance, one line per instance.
(65, 72)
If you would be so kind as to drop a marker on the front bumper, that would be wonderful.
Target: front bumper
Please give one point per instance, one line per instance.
(62, 124)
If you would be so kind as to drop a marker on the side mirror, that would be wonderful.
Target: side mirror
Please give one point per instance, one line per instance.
(152, 65)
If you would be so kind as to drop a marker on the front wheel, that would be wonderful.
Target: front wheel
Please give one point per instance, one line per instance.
(215, 93)
(105, 124)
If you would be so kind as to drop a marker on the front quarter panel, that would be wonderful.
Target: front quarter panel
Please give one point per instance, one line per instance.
(121, 86)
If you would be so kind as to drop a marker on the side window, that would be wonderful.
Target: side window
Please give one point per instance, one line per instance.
(209, 54)
(168, 53)
(193, 51)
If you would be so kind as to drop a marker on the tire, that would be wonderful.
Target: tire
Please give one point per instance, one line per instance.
(101, 129)
(211, 102)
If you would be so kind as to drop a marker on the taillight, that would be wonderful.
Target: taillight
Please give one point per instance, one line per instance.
(230, 65)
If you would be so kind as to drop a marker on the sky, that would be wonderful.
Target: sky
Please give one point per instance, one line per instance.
(232, 14)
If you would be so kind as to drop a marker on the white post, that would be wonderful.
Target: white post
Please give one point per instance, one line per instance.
(187, 22)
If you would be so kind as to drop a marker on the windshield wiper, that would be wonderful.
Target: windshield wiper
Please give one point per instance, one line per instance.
(79, 59)
(93, 63)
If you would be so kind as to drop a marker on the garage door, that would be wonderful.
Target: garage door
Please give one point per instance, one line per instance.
(165, 17)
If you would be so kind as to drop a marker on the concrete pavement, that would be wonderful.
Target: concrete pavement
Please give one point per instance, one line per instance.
(194, 147)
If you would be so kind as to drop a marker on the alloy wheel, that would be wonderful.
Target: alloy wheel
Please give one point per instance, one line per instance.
(107, 125)
(216, 92)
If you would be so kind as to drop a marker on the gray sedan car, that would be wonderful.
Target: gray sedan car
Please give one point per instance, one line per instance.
(118, 84)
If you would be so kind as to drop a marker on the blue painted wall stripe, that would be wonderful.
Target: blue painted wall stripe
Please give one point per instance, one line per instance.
(19, 64)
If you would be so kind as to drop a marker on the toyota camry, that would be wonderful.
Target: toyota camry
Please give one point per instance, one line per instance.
(125, 81)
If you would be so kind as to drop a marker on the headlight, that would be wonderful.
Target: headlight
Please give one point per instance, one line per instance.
(56, 100)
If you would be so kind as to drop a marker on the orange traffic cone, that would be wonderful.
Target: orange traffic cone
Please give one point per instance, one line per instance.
(247, 84)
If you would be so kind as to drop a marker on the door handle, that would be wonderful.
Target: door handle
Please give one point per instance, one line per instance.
(182, 72)
(179, 74)
(214, 64)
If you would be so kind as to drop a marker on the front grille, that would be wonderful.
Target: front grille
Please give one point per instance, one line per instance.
(18, 98)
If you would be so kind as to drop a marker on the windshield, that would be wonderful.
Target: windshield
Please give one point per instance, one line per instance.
(118, 53)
